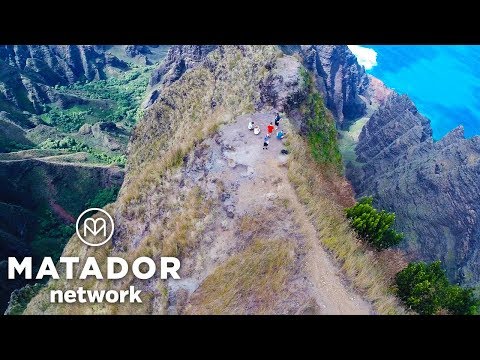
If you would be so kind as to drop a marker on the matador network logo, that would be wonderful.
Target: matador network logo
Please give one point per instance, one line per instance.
(95, 231)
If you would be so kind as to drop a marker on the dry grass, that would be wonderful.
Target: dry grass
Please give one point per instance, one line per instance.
(183, 229)
(325, 194)
(247, 283)
(258, 223)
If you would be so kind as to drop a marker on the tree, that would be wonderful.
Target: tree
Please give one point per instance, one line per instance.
(423, 287)
(461, 301)
(372, 225)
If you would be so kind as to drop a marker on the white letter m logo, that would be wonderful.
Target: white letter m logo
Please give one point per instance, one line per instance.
(95, 229)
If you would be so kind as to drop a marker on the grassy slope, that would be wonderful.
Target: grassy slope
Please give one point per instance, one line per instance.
(325, 194)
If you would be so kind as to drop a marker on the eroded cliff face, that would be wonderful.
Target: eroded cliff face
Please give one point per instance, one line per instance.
(338, 76)
(433, 187)
(27, 72)
(179, 59)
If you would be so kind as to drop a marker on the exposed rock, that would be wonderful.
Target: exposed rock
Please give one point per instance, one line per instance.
(338, 76)
(137, 50)
(179, 59)
(377, 93)
(85, 129)
(283, 88)
(433, 187)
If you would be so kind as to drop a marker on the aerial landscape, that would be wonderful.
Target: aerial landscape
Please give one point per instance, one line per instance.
(287, 179)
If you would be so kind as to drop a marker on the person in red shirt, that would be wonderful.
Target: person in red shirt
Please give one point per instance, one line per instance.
(270, 129)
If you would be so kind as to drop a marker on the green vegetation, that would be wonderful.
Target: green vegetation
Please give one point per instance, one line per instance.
(21, 297)
(73, 145)
(372, 225)
(125, 92)
(51, 236)
(321, 131)
(68, 120)
(103, 197)
(425, 289)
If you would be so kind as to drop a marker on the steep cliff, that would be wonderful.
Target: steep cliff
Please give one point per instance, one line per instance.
(39, 200)
(338, 76)
(433, 187)
(179, 59)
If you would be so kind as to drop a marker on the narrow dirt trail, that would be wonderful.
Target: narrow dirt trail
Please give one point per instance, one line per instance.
(263, 178)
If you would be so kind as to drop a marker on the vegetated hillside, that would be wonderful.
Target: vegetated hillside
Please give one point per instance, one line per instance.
(433, 187)
(66, 113)
(248, 224)
(39, 202)
(51, 91)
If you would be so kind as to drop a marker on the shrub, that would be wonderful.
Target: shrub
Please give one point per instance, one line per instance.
(372, 225)
(73, 145)
(461, 301)
(421, 286)
(21, 297)
(321, 130)
(425, 289)
(51, 237)
(103, 197)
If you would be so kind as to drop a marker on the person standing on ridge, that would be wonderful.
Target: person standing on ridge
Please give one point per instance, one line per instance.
(270, 129)
(277, 120)
(265, 142)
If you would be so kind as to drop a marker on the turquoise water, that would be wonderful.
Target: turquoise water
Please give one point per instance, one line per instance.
(443, 82)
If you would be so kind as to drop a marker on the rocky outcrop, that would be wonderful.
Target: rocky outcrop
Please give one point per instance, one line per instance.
(433, 187)
(339, 77)
(284, 90)
(137, 50)
(179, 59)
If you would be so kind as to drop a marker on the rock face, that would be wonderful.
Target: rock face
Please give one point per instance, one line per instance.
(433, 187)
(338, 76)
(179, 59)
(284, 90)
(28, 71)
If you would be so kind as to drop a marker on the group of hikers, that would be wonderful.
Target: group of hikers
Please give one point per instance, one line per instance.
(270, 128)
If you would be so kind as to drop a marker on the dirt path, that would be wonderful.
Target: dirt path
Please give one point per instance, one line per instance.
(264, 178)
(254, 185)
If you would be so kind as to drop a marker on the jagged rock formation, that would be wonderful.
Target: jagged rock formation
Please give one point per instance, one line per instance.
(338, 76)
(179, 59)
(433, 187)
(27, 72)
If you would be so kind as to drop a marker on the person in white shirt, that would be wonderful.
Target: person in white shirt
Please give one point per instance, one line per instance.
(251, 125)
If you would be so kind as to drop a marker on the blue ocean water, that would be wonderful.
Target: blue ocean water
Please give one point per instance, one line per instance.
(442, 80)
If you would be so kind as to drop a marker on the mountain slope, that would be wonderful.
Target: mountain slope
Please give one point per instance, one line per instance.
(198, 186)
(433, 187)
